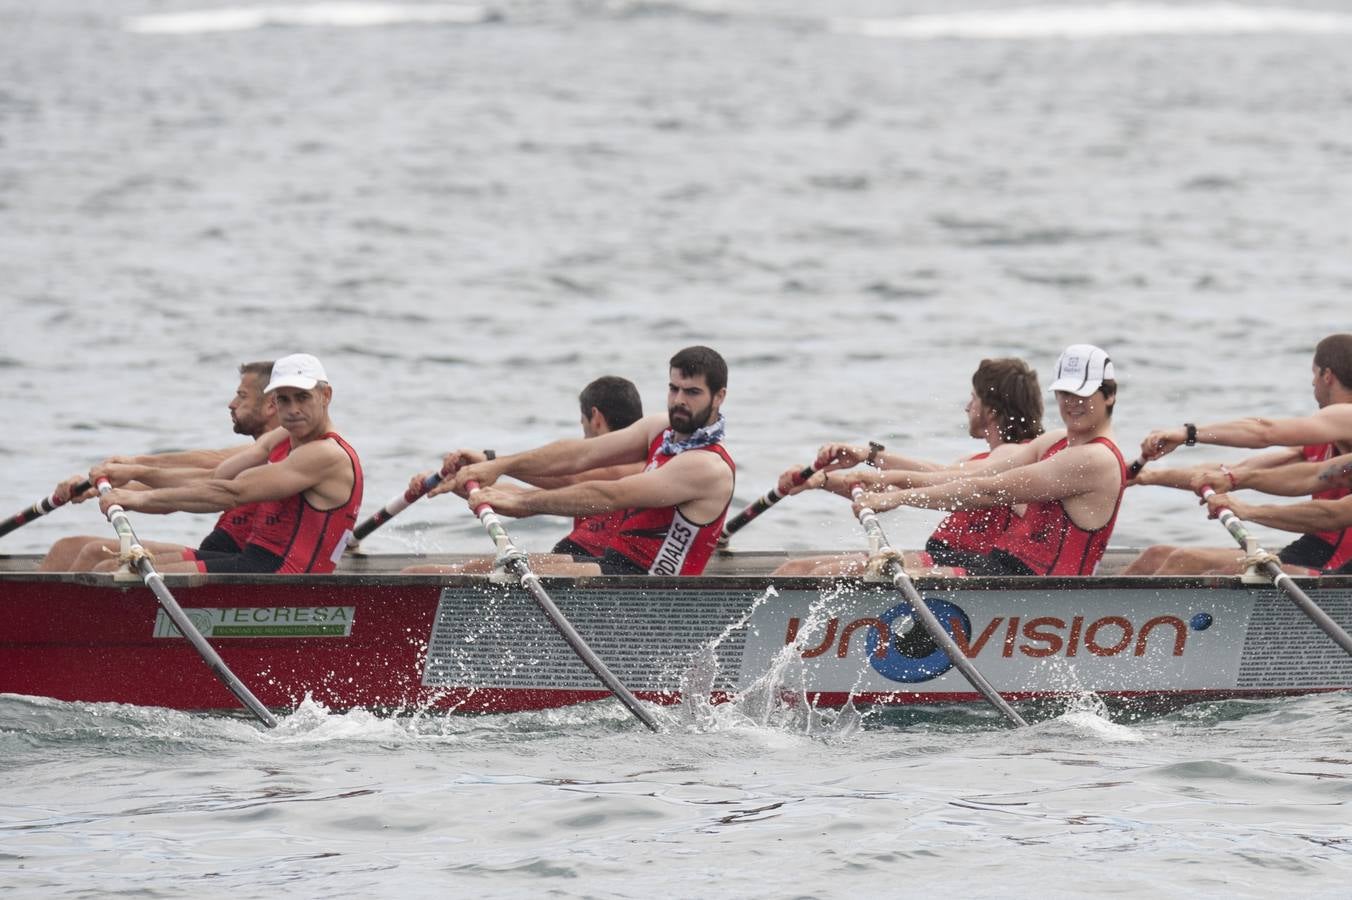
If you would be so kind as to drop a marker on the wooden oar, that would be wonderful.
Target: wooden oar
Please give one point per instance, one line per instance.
(900, 580)
(39, 509)
(739, 521)
(397, 505)
(515, 562)
(1280, 580)
(153, 580)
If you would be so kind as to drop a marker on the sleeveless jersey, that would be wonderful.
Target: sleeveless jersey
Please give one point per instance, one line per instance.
(661, 540)
(1049, 542)
(1340, 541)
(973, 530)
(592, 533)
(237, 523)
(307, 539)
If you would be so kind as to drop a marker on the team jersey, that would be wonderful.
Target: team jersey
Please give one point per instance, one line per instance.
(592, 533)
(307, 539)
(973, 530)
(661, 540)
(1049, 542)
(1340, 541)
(237, 523)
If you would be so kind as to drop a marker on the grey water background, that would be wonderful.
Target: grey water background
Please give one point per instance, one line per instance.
(854, 202)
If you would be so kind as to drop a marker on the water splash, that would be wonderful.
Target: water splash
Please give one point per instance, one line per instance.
(1088, 713)
(778, 700)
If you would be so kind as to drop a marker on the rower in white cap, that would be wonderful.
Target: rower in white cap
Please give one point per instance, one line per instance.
(306, 480)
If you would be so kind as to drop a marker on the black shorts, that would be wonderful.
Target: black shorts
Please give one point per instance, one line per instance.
(1307, 550)
(997, 562)
(219, 541)
(571, 548)
(944, 555)
(253, 560)
(613, 563)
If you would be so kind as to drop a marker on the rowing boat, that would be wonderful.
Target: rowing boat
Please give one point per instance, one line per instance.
(367, 636)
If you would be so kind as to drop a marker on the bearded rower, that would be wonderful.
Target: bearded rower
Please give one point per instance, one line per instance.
(304, 477)
(670, 514)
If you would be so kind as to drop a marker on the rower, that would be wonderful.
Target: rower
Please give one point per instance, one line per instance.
(305, 478)
(1004, 410)
(253, 414)
(1317, 516)
(1311, 439)
(1071, 482)
(608, 404)
(671, 512)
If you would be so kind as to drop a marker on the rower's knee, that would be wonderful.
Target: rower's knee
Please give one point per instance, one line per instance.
(1150, 560)
(61, 557)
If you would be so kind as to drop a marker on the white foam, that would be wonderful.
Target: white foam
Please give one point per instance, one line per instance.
(1107, 21)
(337, 15)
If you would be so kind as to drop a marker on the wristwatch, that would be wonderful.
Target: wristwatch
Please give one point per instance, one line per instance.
(874, 448)
(1191, 431)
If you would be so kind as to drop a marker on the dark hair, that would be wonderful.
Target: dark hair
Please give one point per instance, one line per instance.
(615, 397)
(1009, 387)
(694, 361)
(1109, 390)
(1335, 354)
(262, 369)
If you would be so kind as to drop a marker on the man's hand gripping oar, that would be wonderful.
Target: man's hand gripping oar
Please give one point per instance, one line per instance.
(780, 491)
(42, 507)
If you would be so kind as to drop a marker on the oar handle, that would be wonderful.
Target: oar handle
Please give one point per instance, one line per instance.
(399, 503)
(40, 509)
(519, 565)
(761, 504)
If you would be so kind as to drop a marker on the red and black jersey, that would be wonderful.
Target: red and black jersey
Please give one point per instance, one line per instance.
(307, 539)
(1340, 541)
(1049, 542)
(973, 530)
(661, 540)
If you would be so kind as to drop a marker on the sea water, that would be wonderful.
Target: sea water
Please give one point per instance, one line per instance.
(470, 211)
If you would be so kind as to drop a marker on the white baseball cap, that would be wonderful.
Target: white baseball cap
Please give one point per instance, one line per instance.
(1081, 369)
(299, 370)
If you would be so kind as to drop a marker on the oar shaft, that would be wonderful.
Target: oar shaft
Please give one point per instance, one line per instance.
(1281, 580)
(874, 529)
(773, 496)
(519, 566)
(39, 509)
(398, 504)
(117, 516)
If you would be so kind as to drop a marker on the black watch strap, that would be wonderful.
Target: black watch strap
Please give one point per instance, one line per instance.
(490, 454)
(1191, 431)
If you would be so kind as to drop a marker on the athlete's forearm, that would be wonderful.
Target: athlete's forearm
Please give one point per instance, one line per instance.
(204, 496)
(583, 499)
(182, 459)
(1294, 480)
(1311, 516)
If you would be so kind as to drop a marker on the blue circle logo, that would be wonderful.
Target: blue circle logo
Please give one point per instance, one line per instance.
(912, 655)
(1201, 622)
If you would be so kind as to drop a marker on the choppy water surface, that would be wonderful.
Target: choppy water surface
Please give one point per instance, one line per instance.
(469, 211)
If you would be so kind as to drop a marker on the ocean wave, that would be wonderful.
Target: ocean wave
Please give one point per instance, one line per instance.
(1107, 21)
(340, 15)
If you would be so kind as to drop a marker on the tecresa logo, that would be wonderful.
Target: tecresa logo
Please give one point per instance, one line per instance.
(900, 649)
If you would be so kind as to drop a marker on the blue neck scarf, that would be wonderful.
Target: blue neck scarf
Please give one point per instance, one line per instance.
(704, 437)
